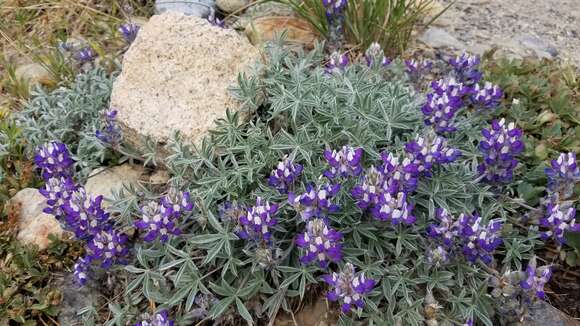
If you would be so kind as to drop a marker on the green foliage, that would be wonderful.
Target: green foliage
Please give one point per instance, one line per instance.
(71, 115)
(388, 22)
(298, 110)
(548, 111)
(28, 293)
(16, 172)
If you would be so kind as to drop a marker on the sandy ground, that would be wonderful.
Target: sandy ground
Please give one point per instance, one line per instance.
(545, 27)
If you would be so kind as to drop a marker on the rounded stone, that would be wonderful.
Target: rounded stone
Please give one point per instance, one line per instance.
(231, 5)
(176, 77)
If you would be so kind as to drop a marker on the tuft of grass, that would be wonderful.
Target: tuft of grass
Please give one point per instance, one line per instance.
(388, 22)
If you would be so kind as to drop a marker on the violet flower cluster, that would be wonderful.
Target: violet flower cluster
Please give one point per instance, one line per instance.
(129, 32)
(427, 151)
(159, 219)
(335, 17)
(417, 68)
(516, 291)
(349, 288)
(159, 319)
(477, 240)
(111, 133)
(321, 242)
(78, 212)
(316, 201)
(466, 68)
(487, 96)
(337, 62)
(334, 9)
(344, 163)
(563, 174)
(384, 191)
(500, 145)
(560, 214)
(445, 100)
(54, 160)
(256, 224)
(535, 279)
(214, 20)
(375, 56)
(559, 218)
(285, 174)
(84, 55)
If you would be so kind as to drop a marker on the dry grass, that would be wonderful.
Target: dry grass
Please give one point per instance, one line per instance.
(30, 30)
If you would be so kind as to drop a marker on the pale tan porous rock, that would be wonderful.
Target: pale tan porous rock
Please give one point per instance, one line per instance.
(34, 226)
(176, 77)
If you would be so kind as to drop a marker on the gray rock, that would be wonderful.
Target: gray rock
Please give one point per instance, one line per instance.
(198, 8)
(262, 10)
(544, 314)
(231, 5)
(439, 38)
(540, 48)
(105, 181)
(34, 74)
(74, 299)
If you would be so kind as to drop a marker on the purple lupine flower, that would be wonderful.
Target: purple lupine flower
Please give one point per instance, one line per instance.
(157, 221)
(429, 150)
(316, 201)
(214, 20)
(348, 287)
(442, 104)
(501, 144)
(334, 8)
(84, 215)
(466, 68)
(108, 247)
(479, 240)
(337, 62)
(398, 176)
(321, 242)
(563, 174)
(439, 111)
(535, 279)
(285, 174)
(468, 322)
(437, 256)
(416, 69)
(111, 134)
(177, 203)
(81, 270)
(455, 90)
(369, 190)
(446, 231)
(85, 54)
(161, 318)
(231, 211)
(57, 192)
(344, 163)
(375, 55)
(54, 160)
(560, 217)
(394, 208)
(257, 222)
(129, 31)
(486, 97)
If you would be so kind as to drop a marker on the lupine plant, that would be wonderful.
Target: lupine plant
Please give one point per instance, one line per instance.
(79, 212)
(336, 186)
